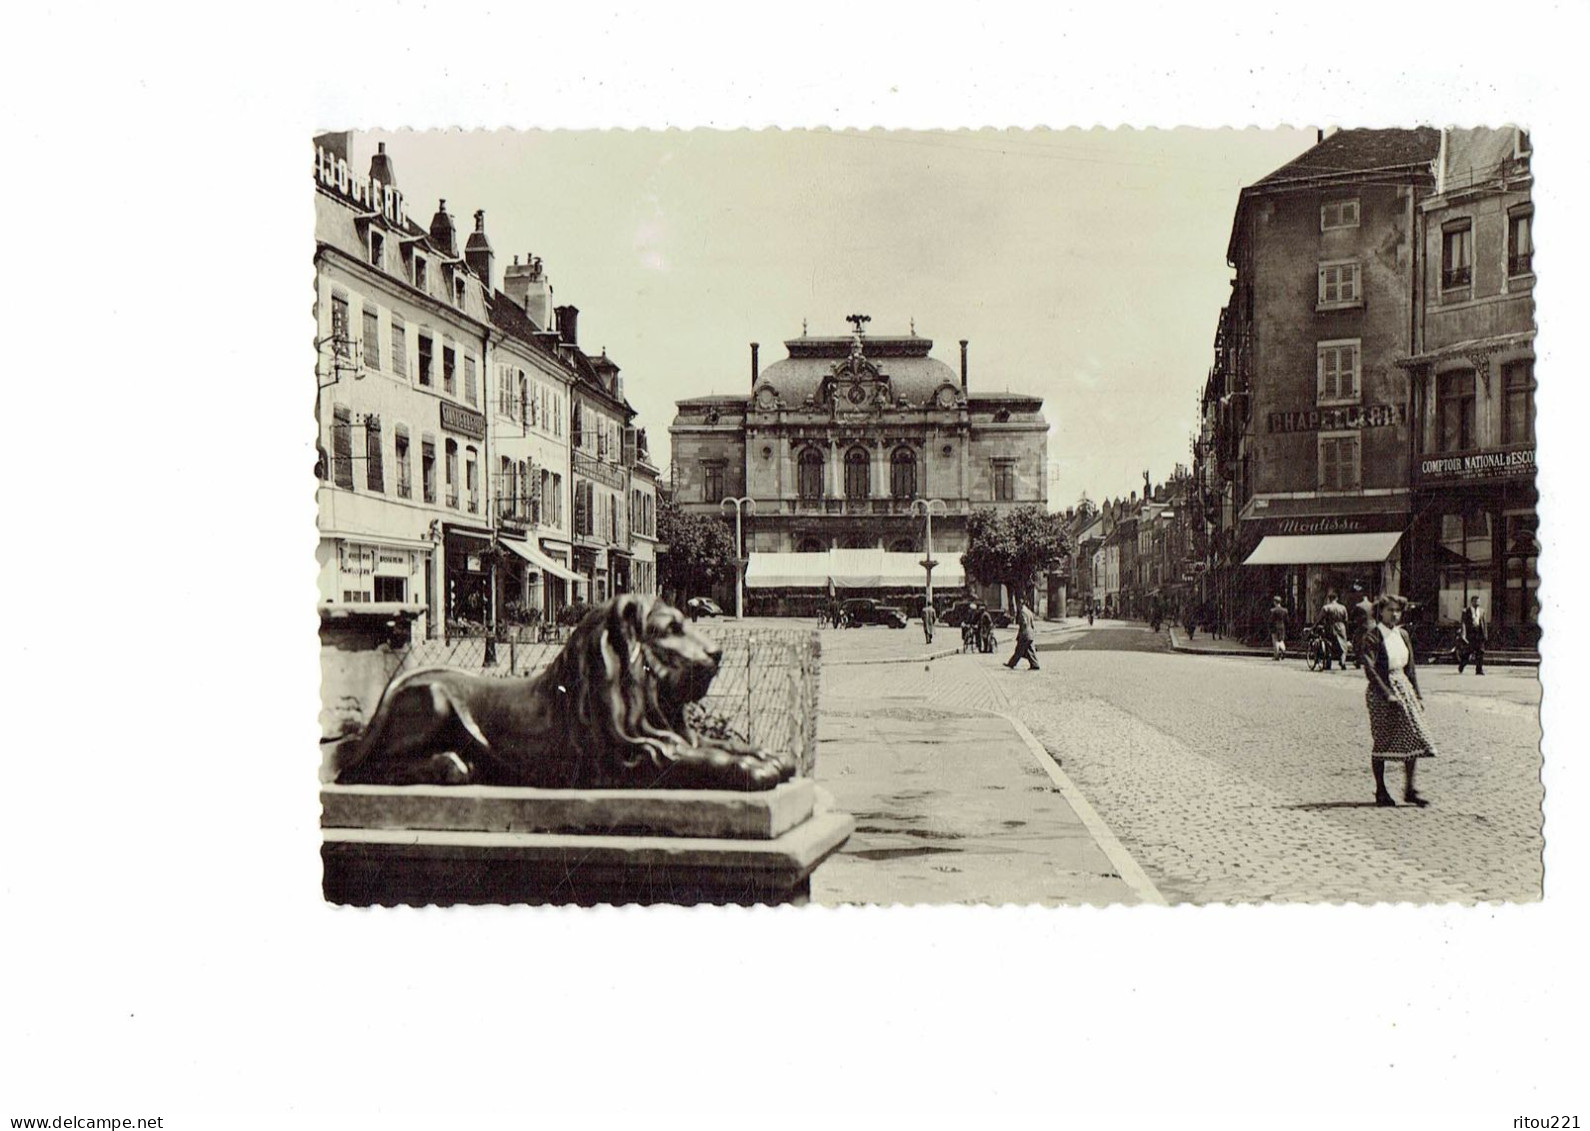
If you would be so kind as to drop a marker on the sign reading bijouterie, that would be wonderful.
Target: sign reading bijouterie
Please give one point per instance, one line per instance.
(1503, 463)
(466, 422)
(1334, 419)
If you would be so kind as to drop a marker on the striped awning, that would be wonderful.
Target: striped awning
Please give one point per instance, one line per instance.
(1323, 549)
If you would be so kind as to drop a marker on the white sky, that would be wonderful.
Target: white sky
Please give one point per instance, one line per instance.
(1085, 266)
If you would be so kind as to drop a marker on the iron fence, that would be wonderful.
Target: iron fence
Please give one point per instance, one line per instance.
(765, 692)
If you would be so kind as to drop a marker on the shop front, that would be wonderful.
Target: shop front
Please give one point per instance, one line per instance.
(467, 591)
(535, 585)
(591, 564)
(1476, 533)
(1303, 558)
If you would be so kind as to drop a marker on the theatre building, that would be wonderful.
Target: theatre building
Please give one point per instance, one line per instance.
(1315, 403)
(833, 443)
(1475, 531)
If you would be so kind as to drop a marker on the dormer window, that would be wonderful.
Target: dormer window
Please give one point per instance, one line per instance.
(458, 291)
(419, 271)
(377, 250)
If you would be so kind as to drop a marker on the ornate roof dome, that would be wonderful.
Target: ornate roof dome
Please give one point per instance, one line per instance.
(867, 367)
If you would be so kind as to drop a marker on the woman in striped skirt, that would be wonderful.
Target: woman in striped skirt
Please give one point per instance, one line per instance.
(1396, 709)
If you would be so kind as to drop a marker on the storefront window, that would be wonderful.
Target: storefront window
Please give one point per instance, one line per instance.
(1465, 555)
(1520, 603)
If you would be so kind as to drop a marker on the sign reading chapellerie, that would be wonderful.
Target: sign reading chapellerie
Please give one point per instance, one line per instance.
(1334, 419)
(1496, 463)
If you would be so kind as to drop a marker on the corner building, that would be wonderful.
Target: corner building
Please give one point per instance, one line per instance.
(834, 441)
(1309, 440)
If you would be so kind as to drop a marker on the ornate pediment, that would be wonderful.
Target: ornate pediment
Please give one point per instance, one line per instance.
(856, 384)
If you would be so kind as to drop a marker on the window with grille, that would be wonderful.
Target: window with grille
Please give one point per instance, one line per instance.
(1339, 284)
(1520, 241)
(809, 474)
(1338, 214)
(1338, 462)
(374, 476)
(425, 347)
(342, 446)
(1455, 409)
(400, 347)
(1338, 371)
(902, 474)
(1457, 255)
(372, 338)
(1518, 414)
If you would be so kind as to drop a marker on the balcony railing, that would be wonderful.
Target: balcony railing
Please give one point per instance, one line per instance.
(474, 503)
(1452, 277)
(452, 497)
(1520, 264)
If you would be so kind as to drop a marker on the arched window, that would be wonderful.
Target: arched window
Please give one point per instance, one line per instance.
(809, 477)
(903, 546)
(858, 542)
(811, 546)
(902, 474)
(858, 477)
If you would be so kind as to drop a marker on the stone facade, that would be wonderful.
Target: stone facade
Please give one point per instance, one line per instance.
(834, 442)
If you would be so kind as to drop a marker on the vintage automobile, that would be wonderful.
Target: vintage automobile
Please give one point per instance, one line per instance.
(864, 610)
(698, 607)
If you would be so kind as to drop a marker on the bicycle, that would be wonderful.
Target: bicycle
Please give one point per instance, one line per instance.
(1319, 653)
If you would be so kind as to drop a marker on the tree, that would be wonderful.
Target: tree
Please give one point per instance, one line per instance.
(700, 553)
(1013, 547)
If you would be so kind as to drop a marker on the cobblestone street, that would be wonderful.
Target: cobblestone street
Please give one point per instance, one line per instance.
(1246, 780)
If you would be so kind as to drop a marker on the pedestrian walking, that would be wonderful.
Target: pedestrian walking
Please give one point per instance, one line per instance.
(1363, 615)
(930, 617)
(1333, 627)
(1090, 612)
(1278, 627)
(1397, 723)
(1190, 619)
(1472, 636)
(1024, 638)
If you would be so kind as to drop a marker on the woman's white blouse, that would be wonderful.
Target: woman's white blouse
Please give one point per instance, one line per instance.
(1396, 650)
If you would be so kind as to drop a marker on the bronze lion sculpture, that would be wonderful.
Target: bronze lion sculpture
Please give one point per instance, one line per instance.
(609, 712)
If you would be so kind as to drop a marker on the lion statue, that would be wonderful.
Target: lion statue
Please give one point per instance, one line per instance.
(609, 712)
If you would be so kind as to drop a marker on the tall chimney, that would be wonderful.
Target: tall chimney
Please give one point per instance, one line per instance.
(569, 324)
(477, 252)
(381, 166)
(755, 369)
(442, 233)
(963, 365)
(526, 284)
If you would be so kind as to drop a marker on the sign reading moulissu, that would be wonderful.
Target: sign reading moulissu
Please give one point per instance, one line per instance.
(1332, 419)
(1494, 463)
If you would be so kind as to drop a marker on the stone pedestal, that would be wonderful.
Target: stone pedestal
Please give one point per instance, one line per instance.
(484, 844)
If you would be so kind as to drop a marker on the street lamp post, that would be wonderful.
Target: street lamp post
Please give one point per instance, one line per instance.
(927, 562)
(739, 551)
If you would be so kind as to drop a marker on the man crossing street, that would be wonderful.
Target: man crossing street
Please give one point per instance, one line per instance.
(1024, 637)
(1471, 637)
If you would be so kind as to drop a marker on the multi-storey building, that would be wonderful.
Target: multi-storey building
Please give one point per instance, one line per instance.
(643, 519)
(1308, 464)
(835, 441)
(401, 345)
(530, 448)
(601, 452)
(1475, 530)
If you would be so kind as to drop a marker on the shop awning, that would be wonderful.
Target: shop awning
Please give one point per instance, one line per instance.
(1323, 549)
(849, 569)
(535, 557)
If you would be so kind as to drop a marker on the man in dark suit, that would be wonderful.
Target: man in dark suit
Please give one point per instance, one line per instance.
(1472, 631)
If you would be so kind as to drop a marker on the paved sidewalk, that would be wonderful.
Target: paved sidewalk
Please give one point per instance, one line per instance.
(953, 803)
(1225, 646)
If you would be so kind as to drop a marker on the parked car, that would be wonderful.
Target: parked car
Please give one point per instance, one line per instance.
(698, 607)
(864, 610)
(969, 610)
